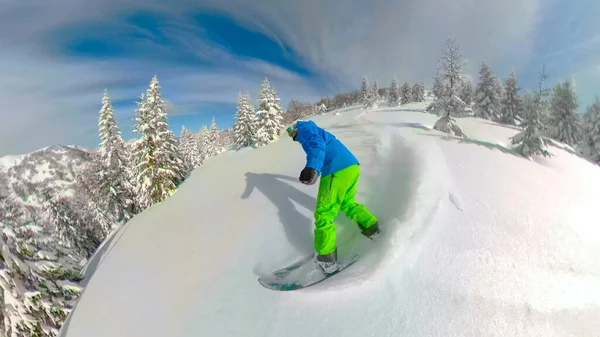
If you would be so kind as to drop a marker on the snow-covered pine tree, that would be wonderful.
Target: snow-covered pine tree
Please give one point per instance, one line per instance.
(448, 103)
(204, 138)
(447, 81)
(452, 64)
(531, 141)
(405, 94)
(590, 143)
(226, 138)
(270, 117)
(418, 92)
(245, 122)
(529, 101)
(487, 101)
(204, 142)
(438, 85)
(158, 168)
(99, 224)
(40, 277)
(511, 104)
(564, 122)
(279, 110)
(500, 90)
(214, 140)
(321, 109)
(394, 94)
(70, 218)
(178, 165)
(115, 194)
(536, 105)
(466, 92)
(375, 94)
(87, 195)
(487, 96)
(365, 90)
(188, 149)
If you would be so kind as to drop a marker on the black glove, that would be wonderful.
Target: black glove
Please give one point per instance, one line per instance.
(308, 176)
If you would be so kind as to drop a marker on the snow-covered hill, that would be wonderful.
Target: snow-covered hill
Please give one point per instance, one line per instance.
(51, 169)
(476, 241)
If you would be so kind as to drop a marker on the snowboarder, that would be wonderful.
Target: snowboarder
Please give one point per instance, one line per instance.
(328, 157)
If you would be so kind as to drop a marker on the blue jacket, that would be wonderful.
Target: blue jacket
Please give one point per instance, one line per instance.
(324, 152)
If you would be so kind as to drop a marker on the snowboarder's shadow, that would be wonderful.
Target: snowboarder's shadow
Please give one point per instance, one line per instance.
(298, 227)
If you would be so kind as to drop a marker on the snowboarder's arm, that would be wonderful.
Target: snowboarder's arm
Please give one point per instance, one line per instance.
(314, 146)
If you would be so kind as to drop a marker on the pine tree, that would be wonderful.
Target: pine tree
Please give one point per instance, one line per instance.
(418, 92)
(590, 142)
(452, 64)
(466, 92)
(531, 141)
(448, 89)
(394, 94)
(512, 104)
(487, 96)
(322, 109)
(245, 125)
(226, 138)
(369, 94)
(115, 193)
(564, 122)
(73, 231)
(99, 224)
(536, 106)
(279, 110)
(499, 87)
(374, 95)
(204, 143)
(269, 123)
(214, 143)
(188, 149)
(447, 81)
(438, 86)
(158, 169)
(91, 201)
(365, 92)
(40, 277)
(405, 94)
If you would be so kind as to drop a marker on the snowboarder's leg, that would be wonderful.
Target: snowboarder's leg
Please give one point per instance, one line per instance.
(348, 180)
(337, 191)
(328, 205)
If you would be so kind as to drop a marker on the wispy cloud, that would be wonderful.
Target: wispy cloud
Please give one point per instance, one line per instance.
(347, 39)
(57, 57)
(52, 91)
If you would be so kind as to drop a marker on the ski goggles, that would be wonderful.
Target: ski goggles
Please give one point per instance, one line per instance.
(290, 130)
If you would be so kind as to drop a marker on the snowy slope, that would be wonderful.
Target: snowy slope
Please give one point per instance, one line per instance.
(476, 242)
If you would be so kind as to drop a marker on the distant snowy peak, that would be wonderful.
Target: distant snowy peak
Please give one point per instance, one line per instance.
(54, 157)
(50, 168)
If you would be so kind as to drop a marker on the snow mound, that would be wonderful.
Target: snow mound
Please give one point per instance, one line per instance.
(448, 125)
(476, 241)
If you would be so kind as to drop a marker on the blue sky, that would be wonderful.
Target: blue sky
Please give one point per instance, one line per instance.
(58, 57)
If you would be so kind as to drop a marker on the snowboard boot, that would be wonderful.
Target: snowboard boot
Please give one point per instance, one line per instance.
(371, 231)
(328, 263)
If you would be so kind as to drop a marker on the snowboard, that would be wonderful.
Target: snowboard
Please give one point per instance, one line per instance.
(302, 274)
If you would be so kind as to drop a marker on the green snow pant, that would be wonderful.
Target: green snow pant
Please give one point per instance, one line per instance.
(337, 191)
